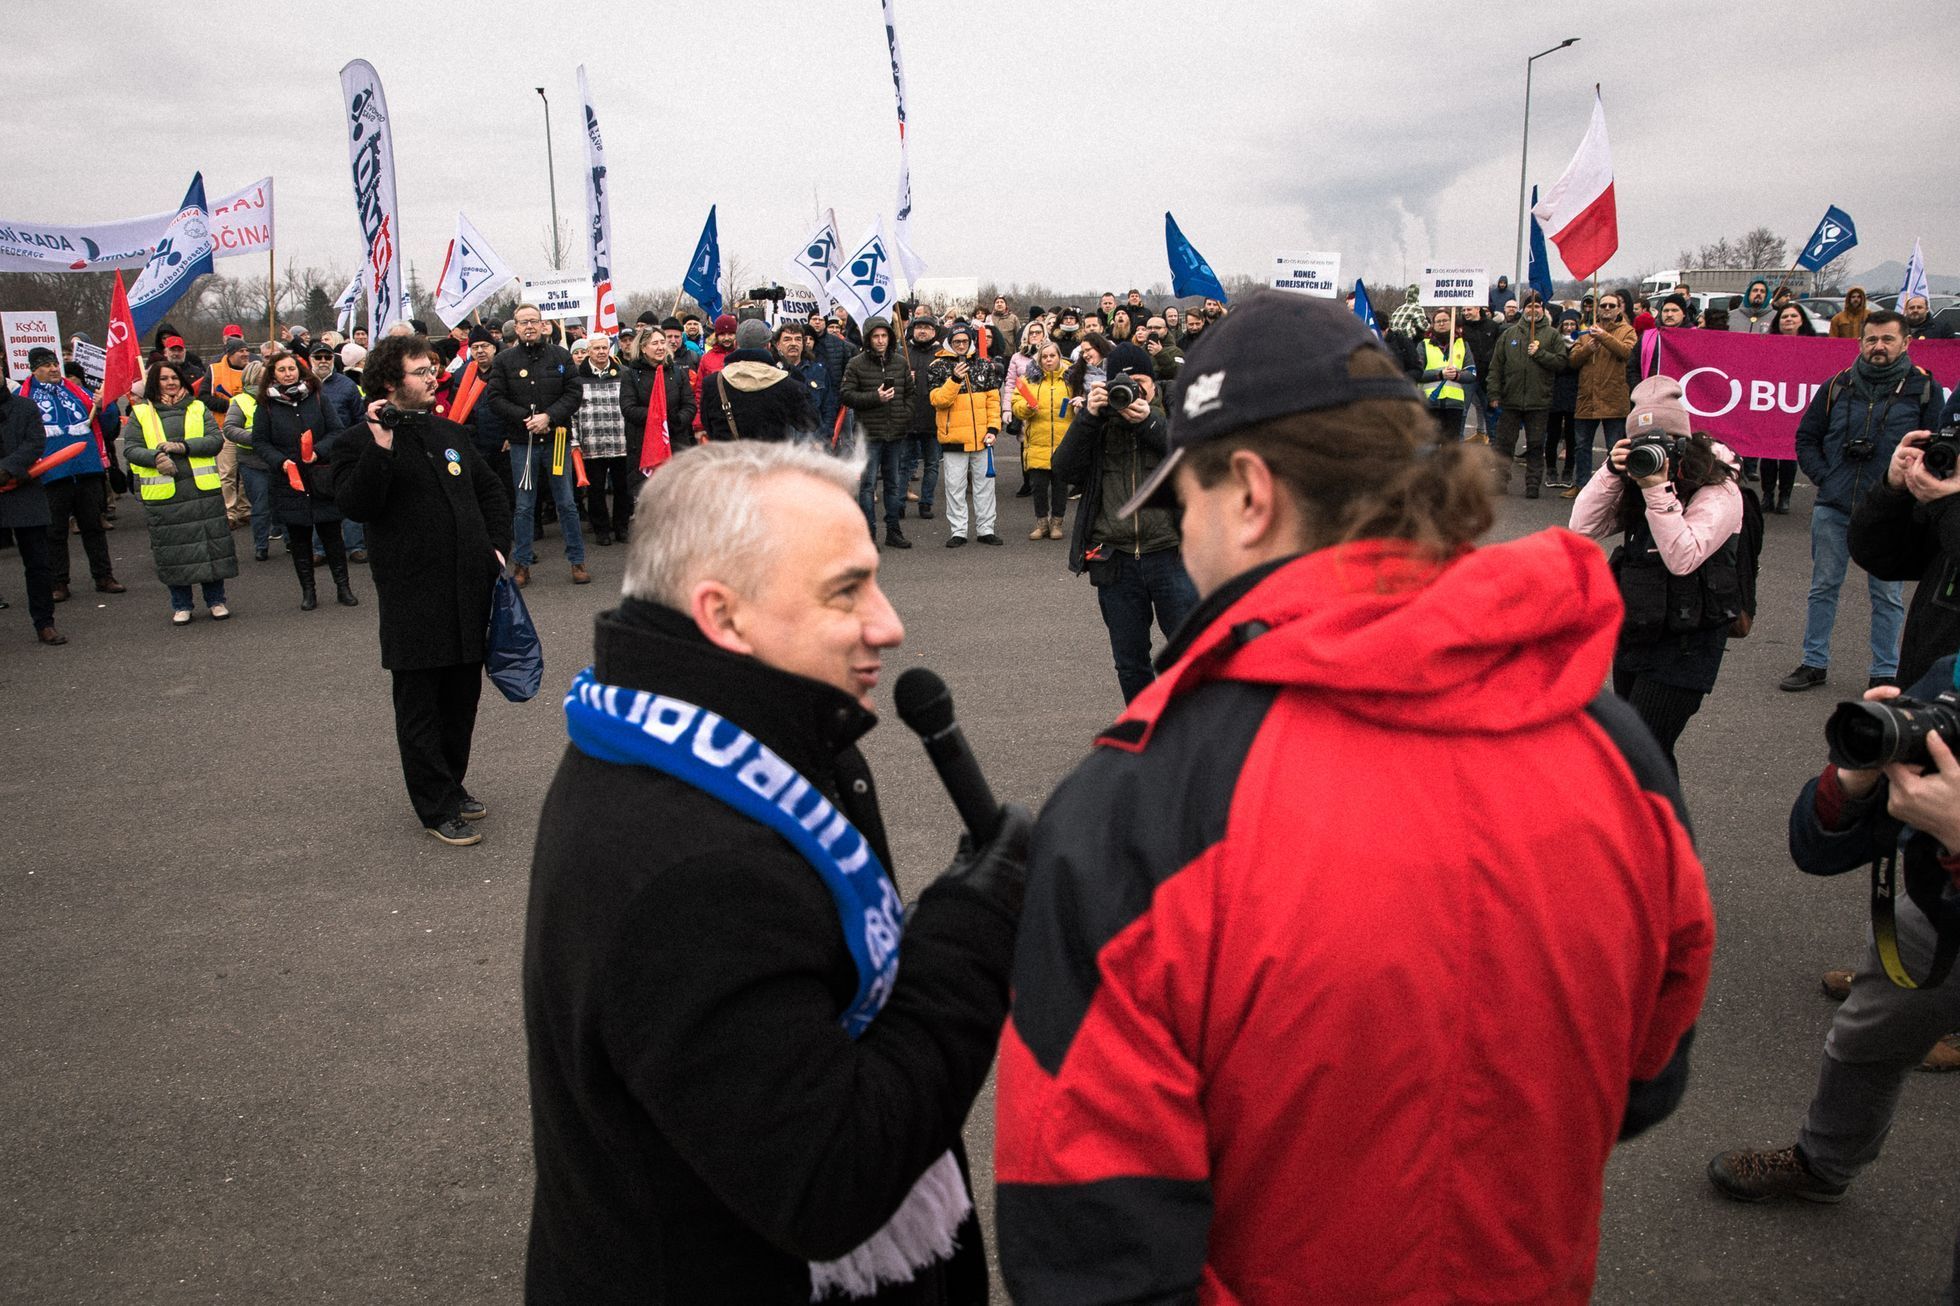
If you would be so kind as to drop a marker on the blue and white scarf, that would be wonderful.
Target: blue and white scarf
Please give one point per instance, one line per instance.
(634, 727)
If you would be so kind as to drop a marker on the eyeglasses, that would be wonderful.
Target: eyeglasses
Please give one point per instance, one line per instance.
(422, 371)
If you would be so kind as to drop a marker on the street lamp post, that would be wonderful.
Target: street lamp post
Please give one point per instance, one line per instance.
(551, 171)
(1524, 154)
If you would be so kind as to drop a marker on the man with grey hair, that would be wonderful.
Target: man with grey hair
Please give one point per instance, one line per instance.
(749, 1065)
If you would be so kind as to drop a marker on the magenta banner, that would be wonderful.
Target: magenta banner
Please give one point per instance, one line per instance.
(1750, 391)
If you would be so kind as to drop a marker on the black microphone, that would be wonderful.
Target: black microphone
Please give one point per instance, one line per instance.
(925, 704)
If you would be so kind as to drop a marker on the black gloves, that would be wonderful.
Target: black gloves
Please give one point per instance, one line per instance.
(997, 872)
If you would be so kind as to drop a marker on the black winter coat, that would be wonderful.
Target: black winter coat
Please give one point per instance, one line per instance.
(528, 378)
(636, 399)
(882, 419)
(765, 407)
(703, 1126)
(432, 537)
(23, 440)
(276, 430)
(1895, 537)
(925, 420)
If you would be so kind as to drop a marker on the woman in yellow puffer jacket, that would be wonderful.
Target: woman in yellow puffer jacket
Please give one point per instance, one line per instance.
(1041, 401)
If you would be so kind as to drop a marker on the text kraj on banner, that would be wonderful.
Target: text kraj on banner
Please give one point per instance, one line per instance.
(1750, 391)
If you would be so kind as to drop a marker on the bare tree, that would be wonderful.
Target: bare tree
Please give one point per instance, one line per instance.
(556, 256)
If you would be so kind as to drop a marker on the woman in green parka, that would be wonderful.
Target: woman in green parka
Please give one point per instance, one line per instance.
(171, 441)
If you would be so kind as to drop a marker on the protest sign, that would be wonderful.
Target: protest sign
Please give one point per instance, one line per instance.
(1455, 287)
(1750, 391)
(1308, 274)
(93, 360)
(559, 297)
(798, 304)
(241, 223)
(25, 331)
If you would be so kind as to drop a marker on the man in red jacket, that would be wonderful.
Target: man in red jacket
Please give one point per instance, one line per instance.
(1302, 1011)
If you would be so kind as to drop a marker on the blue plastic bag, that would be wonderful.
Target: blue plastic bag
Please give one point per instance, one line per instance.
(514, 657)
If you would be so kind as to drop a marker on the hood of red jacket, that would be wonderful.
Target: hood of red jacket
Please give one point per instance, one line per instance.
(1500, 638)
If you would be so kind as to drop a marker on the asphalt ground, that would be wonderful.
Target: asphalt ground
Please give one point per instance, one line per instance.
(263, 1040)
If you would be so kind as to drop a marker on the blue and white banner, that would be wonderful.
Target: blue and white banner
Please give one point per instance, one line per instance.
(1835, 235)
(371, 154)
(914, 265)
(183, 254)
(346, 306)
(241, 223)
(1915, 282)
(862, 285)
(817, 259)
(1190, 274)
(471, 273)
(703, 280)
(598, 218)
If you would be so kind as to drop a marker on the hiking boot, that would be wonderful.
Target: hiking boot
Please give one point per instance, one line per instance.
(110, 585)
(49, 635)
(1040, 531)
(1572, 493)
(454, 833)
(895, 538)
(61, 594)
(1766, 1176)
(1837, 984)
(580, 576)
(1804, 677)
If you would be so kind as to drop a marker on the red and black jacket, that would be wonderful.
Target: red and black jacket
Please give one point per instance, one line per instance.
(1316, 997)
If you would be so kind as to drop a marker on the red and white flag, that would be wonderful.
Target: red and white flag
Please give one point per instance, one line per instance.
(1578, 212)
(123, 365)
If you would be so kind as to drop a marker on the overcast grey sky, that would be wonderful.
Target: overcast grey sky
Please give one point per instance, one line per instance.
(1047, 139)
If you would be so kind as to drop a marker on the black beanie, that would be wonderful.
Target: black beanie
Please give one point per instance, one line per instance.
(484, 335)
(670, 324)
(649, 318)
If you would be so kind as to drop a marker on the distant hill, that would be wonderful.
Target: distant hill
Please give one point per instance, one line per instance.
(1886, 278)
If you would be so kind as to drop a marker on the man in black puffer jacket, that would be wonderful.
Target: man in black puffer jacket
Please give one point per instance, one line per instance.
(751, 398)
(878, 389)
(533, 389)
(922, 435)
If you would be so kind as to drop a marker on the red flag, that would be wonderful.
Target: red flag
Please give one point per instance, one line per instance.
(125, 359)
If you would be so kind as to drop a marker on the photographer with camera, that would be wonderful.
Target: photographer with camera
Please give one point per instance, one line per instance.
(1115, 443)
(1899, 803)
(1678, 561)
(965, 393)
(439, 531)
(1908, 528)
(1845, 443)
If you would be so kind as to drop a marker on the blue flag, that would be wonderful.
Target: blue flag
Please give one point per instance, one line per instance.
(1190, 274)
(1363, 309)
(1538, 272)
(182, 255)
(1835, 235)
(704, 273)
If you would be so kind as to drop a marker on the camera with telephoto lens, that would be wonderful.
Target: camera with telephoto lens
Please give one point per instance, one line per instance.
(1864, 735)
(1649, 456)
(1123, 391)
(1942, 453)
(389, 417)
(774, 294)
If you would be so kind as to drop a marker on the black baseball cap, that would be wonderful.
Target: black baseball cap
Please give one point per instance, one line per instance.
(1276, 353)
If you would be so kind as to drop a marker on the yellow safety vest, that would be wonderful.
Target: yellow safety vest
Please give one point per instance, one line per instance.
(1449, 392)
(154, 487)
(249, 406)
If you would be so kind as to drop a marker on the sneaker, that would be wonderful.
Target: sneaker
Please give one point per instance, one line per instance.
(219, 612)
(895, 538)
(454, 833)
(955, 541)
(181, 618)
(1837, 984)
(473, 810)
(1765, 1176)
(1804, 677)
(991, 538)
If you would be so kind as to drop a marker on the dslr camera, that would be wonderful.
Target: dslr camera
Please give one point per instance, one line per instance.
(1649, 455)
(1864, 736)
(1942, 453)
(1860, 448)
(389, 417)
(1123, 391)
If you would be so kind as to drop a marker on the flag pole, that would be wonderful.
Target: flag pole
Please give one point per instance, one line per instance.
(271, 291)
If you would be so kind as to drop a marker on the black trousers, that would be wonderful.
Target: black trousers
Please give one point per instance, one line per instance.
(32, 541)
(1048, 490)
(1663, 709)
(83, 498)
(609, 496)
(435, 719)
(1560, 433)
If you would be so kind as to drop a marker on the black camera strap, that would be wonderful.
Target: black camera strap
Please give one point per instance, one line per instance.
(1885, 927)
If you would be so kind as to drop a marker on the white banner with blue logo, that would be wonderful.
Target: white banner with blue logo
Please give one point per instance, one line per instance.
(471, 273)
(817, 258)
(182, 255)
(862, 284)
